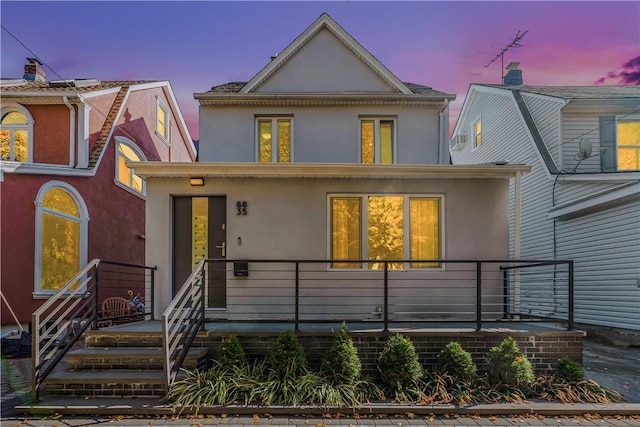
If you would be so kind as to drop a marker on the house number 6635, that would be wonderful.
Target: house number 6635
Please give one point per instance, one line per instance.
(241, 207)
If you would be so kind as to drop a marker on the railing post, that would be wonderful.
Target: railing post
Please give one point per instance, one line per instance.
(152, 292)
(505, 293)
(478, 295)
(386, 297)
(570, 296)
(203, 283)
(297, 302)
(35, 356)
(96, 304)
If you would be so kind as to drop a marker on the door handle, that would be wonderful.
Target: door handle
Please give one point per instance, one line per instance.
(223, 246)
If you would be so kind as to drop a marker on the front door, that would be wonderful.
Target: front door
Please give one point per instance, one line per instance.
(199, 232)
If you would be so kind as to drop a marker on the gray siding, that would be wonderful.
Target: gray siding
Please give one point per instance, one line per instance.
(546, 114)
(576, 127)
(606, 248)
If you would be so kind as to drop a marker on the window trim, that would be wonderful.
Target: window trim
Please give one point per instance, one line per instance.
(475, 135)
(10, 107)
(274, 137)
(160, 105)
(376, 138)
(406, 228)
(83, 219)
(617, 142)
(132, 145)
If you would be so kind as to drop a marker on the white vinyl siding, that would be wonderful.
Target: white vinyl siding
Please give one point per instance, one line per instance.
(546, 114)
(575, 127)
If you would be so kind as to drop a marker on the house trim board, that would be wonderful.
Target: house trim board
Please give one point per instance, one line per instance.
(599, 201)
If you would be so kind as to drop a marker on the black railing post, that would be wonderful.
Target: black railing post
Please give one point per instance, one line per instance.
(570, 296)
(505, 293)
(297, 302)
(153, 292)
(478, 295)
(96, 309)
(203, 283)
(386, 296)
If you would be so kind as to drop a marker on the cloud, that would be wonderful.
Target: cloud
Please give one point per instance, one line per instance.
(629, 74)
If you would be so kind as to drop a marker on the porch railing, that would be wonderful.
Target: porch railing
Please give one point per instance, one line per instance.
(60, 322)
(181, 321)
(397, 291)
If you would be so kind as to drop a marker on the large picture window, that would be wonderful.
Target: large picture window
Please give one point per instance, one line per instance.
(61, 236)
(383, 228)
(274, 140)
(15, 135)
(377, 140)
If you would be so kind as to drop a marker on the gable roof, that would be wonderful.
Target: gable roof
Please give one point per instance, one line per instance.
(326, 22)
(576, 92)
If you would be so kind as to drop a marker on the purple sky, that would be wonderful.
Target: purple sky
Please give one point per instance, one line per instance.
(442, 44)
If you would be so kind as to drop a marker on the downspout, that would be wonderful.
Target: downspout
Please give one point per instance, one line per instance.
(444, 133)
(72, 131)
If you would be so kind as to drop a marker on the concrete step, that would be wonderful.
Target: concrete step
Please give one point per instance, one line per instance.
(105, 384)
(122, 338)
(130, 358)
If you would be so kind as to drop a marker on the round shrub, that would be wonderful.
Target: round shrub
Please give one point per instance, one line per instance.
(230, 353)
(286, 357)
(398, 365)
(341, 364)
(506, 364)
(457, 362)
(569, 370)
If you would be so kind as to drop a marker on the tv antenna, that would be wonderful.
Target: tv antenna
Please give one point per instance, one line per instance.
(514, 43)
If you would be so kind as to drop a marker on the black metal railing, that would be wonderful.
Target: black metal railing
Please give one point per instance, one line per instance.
(451, 291)
(60, 322)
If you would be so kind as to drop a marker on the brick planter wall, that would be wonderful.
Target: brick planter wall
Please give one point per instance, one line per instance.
(543, 349)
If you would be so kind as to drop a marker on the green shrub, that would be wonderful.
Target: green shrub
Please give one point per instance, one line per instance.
(230, 353)
(457, 362)
(506, 364)
(569, 370)
(286, 357)
(398, 365)
(341, 364)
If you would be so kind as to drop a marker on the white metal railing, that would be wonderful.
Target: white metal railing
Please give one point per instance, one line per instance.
(181, 321)
(60, 322)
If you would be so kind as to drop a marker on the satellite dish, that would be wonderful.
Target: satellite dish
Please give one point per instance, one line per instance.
(585, 147)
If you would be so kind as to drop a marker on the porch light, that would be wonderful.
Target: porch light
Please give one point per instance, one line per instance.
(196, 182)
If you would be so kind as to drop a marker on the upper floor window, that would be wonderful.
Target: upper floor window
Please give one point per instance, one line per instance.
(128, 152)
(385, 227)
(15, 136)
(620, 144)
(477, 133)
(274, 140)
(377, 140)
(162, 123)
(61, 235)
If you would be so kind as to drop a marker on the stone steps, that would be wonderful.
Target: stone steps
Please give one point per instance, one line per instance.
(129, 358)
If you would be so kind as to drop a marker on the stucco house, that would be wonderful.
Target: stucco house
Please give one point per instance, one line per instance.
(581, 200)
(67, 195)
(323, 155)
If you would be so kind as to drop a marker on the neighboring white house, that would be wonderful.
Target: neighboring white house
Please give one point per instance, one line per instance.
(302, 163)
(582, 199)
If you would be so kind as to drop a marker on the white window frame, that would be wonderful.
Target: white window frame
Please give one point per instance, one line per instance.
(8, 108)
(475, 135)
(364, 235)
(83, 219)
(129, 143)
(274, 137)
(635, 119)
(376, 137)
(160, 105)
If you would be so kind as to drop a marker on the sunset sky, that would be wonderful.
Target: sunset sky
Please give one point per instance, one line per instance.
(443, 44)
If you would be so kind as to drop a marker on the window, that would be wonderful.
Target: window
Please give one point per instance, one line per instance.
(128, 152)
(377, 138)
(16, 135)
(162, 125)
(61, 237)
(620, 144)
(274, 140)
(395, 227)
(477, 133)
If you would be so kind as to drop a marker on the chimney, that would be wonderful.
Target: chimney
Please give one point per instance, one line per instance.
(513, 76)
(33, 71)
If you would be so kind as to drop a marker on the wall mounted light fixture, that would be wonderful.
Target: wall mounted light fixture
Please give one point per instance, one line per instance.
(197, 182)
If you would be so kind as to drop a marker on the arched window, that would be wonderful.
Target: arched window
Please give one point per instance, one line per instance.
(61, 236)
(16, 132)
(127, 151)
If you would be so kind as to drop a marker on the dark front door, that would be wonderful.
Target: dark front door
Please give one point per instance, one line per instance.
(199, 231)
